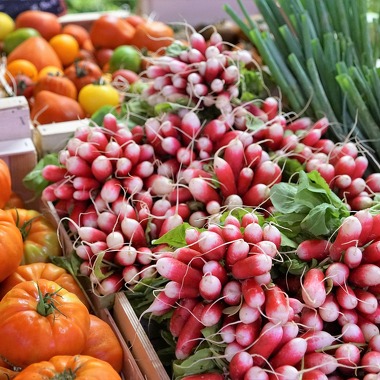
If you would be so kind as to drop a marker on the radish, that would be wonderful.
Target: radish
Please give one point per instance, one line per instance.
(177, 271)
(247, 333)
(225, 176)
(131, 275)
(181, 314)
(346, 297)
(371, 253)
(205, 376)
(338, 273)
(313, 374)
(110, 285)
(202, 190)
(347, 356)
(284, 372)
(101, 168)
(365, 275)
(347, 236)
(190, 335)
(353, 257)
(290, 353)
(232, 293)
(253, 233)
(267, 342)
(161, 304)
(317, 339)
(212, 245)
(347, 316)
(248, 314)
(253, 293)
(125, 256)
(210, 287)
(217, 269)
(231, 232)
(329, 310)
(257, 195)
(276, 306)
(240, 363)
(313, 249)
(212, 314)
(310, 319)
(133, 232)
(324, 362)
(367, 302)
(371, 362)
(267, 173)
(351, 333)
(251, 266)
(256, 373)
(313, 288)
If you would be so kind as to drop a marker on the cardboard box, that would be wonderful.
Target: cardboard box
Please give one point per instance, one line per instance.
(137, 340)
(14, 118)
(53, 137)
(21, 157)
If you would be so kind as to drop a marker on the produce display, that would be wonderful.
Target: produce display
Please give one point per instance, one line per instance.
(239, 216)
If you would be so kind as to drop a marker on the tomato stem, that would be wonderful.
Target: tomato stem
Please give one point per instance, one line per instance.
(46, 304)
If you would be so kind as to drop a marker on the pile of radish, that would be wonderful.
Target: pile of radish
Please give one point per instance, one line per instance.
(266, 232)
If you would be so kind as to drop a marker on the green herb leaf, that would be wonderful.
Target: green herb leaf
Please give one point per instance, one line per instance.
(199, 362)
(34, 180)
(175, 237)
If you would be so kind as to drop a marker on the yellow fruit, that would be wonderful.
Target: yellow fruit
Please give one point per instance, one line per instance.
(66, 47)
(7, 25)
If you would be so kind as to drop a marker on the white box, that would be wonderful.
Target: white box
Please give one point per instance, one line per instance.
(14, 118)
(194, 12)
(53, 137)
(21, 157)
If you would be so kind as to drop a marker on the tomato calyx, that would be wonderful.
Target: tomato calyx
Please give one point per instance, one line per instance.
(67, 374)
(46, 304)
(26, 226)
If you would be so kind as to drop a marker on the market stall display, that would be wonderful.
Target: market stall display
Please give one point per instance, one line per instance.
(222, 228)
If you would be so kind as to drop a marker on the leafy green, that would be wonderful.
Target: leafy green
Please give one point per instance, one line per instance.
(175, 237)
(175, 49)
(308, 208)
(200, 362)
(34, 180)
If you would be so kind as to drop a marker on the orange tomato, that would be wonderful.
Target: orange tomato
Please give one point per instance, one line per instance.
(153, 35)
(49, 70)
(80, 33)
(66, 47)
(22, 66)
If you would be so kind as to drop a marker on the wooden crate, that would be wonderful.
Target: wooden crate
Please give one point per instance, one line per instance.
(137, 339)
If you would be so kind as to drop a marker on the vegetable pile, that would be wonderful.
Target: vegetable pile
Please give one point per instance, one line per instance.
(46, 327)
(243, 229)
(323, 58)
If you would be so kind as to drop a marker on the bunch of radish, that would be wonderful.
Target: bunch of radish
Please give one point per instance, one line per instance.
(121, 190)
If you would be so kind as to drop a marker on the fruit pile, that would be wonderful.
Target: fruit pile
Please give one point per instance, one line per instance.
(68, 72)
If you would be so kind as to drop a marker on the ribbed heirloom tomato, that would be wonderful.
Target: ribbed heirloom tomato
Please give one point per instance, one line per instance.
(11, 245)
(40, 319)
(39, 235)
(5, 183)
(78, 367)
(46, 271)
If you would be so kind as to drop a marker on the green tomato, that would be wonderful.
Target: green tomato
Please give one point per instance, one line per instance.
(15, 38)
(94, 96)
(125, 57)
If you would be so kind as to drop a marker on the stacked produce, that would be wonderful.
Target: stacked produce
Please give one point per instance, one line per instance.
(47, 328)
(236, 223)
(68, 72)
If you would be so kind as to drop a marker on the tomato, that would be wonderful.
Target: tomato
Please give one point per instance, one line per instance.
(49, 70)
(66, 47)
(78, 367)
(94, 96)
(82, 73)
(125, 57)
(15, 200)
(80, 33)
(40, 319)
(39, 235)
(23, 85)
(57, 84)
(11, 245)
(110, 31)
(5, 183)
(153, 35)
(103, 56)
(12, 40)
(135, 20)
(46, 23)
(22, 66)
(49, 107)
(7, 25)
(47, 271)
(102, 343)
